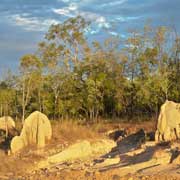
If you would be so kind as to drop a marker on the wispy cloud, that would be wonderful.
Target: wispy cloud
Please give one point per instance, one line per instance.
(73, 10)
(113, 3)
(113, 33)
(126, 18)
(63, 11)
(31, 23)
(69, 11)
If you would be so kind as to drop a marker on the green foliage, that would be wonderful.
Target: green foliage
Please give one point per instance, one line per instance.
(70, 77)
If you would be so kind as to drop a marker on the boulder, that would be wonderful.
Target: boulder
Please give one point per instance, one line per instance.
(79, 150)
(131, 142)
(168, 126)
(150, 136)
(176, 160)
(162, 156)
(36, 130)
(117, 134)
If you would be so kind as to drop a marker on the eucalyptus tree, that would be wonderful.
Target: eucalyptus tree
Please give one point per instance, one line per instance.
(30, 70)
(61, 52)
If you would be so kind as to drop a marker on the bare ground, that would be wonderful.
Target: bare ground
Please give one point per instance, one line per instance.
(127, 159)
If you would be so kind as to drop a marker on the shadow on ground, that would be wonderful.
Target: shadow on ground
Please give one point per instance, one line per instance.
(131, 144)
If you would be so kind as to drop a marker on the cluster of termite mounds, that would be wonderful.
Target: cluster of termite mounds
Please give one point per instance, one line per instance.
(36, 131)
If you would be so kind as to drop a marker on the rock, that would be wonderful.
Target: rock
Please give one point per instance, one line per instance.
(82, 150)
(115, 135)
(176, 160)
(102, 146)
(78, 150)
(136, 152)
(150, 136)
(162, 156)
(131, 142)
(109, 162)
(176, 156)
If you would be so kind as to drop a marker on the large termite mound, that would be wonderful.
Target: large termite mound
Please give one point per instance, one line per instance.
(168, 126)
(7, 123)
(36, 130)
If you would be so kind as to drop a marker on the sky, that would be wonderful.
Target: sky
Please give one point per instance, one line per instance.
(23, 23)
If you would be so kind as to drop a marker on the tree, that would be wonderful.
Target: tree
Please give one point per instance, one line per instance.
(30, 68)
(65, 41)
(71, 77)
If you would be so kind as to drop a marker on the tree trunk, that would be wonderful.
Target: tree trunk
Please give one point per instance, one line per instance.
(39, 99)
(6, 119)
(1, 110)
(23, 104)
(23, 114)
(55, 103)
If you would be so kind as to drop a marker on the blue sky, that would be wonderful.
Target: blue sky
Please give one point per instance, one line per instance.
(23, 23)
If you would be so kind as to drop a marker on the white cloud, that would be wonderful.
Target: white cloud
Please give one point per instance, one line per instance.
(113, 33)
(97, 20)
(64, 12)
(32, 23)
(66, 1)
(102, 22)
(125, 19)
(120, 18)
(115, 3)
(69, 11)
(73, 7)
(93, 32)
(76, 1)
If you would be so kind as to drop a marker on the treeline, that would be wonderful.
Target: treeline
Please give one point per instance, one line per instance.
(71, 77)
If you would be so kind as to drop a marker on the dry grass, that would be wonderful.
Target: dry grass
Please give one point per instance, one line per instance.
(66, 131)
(71, 131)
(130, 127)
